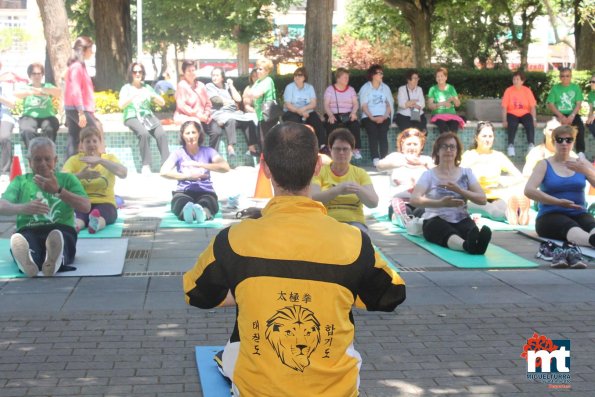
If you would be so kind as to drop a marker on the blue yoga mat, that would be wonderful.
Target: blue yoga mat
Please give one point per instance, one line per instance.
(212, 382)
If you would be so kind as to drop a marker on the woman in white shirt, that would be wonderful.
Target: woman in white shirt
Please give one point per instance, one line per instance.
(411, 104)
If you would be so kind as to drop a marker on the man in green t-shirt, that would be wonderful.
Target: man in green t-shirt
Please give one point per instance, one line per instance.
(564, 100)
(44, 202)
(591, 100)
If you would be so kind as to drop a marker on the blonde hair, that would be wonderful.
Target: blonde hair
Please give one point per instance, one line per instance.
(266, 64)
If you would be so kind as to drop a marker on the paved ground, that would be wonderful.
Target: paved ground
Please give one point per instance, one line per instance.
(459, 332)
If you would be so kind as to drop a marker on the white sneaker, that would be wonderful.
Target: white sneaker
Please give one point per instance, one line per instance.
(357, 154)
(54, 246)
(188, 212)
(375, 161)
(530, 147)
(146, 170)
(200, 214)
(22, 256)
(510, 151)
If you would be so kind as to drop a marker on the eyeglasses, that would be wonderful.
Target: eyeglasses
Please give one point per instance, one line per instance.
(298, 75)
(341, 149)
(137, 71)
(36, 74)
(448, 147)
(381, 73)
(568, 139)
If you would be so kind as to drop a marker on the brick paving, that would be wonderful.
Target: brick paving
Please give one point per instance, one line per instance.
(460, 332)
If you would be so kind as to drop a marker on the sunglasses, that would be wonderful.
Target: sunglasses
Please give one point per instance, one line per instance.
(592, 81)
(567, 139)
(137, 71)
(448, 147)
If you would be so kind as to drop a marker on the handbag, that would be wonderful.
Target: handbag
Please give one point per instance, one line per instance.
(271, 110)
(150, 123)
(343, 118)
(415, 112)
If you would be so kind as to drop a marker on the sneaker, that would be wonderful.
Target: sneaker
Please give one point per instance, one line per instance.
(375, 161)
(559, 259)
(188, 213)
(94, 220)
(357, 154)
(510, 151)
(22, 255)
(199, 213)
(146, 170)
(574, 256)
(546, 250)
(399, 215)
(530, 147)
(54, 246)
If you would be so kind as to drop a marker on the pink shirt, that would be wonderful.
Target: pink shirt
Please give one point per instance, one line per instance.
(343, 102)
(192, 103)
(78, 89)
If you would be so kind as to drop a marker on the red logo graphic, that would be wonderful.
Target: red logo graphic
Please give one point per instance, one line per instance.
(536, 343)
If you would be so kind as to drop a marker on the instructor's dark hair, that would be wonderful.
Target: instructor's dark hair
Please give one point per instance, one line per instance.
(291, 153)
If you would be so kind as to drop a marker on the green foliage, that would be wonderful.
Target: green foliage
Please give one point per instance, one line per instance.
(107, 102)
(11, 36)
(17, 110)
(374, 20)
(170, 103)
(78, 12)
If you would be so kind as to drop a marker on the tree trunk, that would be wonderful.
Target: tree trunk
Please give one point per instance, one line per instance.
(418, 14)
(318, 45)
(584, 37)
(114, 49)
(57, 37)
(243, 58)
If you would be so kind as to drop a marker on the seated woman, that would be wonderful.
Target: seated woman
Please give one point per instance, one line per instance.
(135, 100)
(518, 106)
(193, 104)
(344, 188)
(442, 100)
(44, 202)
(504, 193)
(97, 172)
(247, 100)
(407, 165)
(340, 107)
(300, 104)
(444, 191)
(543, 151)
(411, 104)
(38, 106)
(194, 199)
(377, 112)
(558, 185)
(225, 98)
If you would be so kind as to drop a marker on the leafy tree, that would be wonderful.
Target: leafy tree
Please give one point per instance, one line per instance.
(79, 12)
(584, 33)
(374, 21)
(12, 35)
(354, 53)
(55, 30)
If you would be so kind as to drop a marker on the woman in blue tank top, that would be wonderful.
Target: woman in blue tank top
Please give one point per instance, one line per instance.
(558, 185)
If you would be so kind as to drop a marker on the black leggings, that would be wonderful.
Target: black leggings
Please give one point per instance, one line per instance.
(438, 231)
(36, 237)
(352, 126)
(447, 126)
(377, 137)
(513, 124)
(313, 120)
(556, 225)
(206, 200)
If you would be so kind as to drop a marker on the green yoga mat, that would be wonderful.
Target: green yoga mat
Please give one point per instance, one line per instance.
(8, 269)
(110, 231)
(494, 258)
(388, 225)
(170, 221)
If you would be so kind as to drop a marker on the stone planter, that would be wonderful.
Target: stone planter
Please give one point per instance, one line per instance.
(484, 109)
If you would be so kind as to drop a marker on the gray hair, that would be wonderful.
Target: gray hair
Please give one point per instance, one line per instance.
(41, 141)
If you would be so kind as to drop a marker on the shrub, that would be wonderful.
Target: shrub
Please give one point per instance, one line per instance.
(107, 102)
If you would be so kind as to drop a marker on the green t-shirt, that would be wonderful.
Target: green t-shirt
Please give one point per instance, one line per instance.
(270, 94)
(565, 98)
(140, 105)
(39, 106)
(440, 96)
(591, 99)
(23, 190)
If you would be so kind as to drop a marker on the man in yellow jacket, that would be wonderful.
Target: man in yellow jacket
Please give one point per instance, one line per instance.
(295, 275)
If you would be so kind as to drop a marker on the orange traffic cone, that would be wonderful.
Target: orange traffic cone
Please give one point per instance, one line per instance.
(15, 168)
(264, 189)
(591, 188)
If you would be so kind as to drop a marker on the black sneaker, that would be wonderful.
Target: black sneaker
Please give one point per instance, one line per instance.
(574, 256)
(546, 250)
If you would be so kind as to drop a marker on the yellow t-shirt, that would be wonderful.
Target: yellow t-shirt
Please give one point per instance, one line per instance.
(346, 207)
(100, 190)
